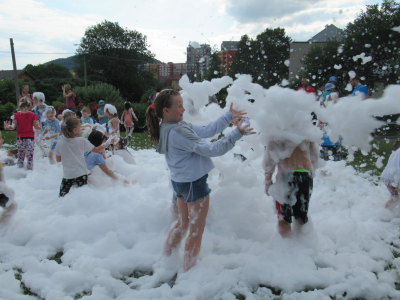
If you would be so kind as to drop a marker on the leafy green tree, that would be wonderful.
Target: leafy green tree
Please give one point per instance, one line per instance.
(116, 56)
(263, 57)
(49, 71)
(371, 33)
(215, 69)
(6, 111)
(319, 65)
(7, 90)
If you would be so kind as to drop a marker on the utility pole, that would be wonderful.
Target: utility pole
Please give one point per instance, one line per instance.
(15, 71)
(84, 69)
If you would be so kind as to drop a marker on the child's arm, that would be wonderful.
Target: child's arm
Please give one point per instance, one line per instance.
(219, 125)
(111, 140)
(37, 125)
(269, 166)
(58, 158)
(109, 172)
(115, 125)
(134, 116)
(122, 117)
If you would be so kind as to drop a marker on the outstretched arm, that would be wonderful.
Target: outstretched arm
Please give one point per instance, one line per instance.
(269, 166)
(219, 125)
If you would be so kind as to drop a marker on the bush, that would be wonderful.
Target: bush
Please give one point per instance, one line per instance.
(100, 91)
(6, 111)
(7, 90)
(140, 112)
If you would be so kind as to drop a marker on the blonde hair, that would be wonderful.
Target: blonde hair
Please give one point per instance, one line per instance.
(67, 87)
(68, 114)
(153, 116)
(68, 126)
(86, 110)
(24, 102)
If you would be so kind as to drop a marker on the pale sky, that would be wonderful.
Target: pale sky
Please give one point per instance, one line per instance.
(53, 27)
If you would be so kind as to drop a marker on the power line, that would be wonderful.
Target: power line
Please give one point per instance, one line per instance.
(36, 52)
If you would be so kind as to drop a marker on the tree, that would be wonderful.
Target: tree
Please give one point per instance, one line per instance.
(264, 57)
(116, 56)
(215, 69)
(49, 71)
(371, 33)
(319, 65)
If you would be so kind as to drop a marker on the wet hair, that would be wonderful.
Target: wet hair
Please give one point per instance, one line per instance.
(123, 143)
(78, 114)
(68, 114)
(153, 116)
(127, 105)
(24, 102)
(96, 138)
(67, 87)
(49, 111)
(68, 126)
(86, 110)
(39, 96)
(396, 145)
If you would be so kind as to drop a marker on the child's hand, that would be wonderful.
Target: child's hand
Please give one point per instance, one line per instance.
(47, 138)
(245, 129)
(237, 113)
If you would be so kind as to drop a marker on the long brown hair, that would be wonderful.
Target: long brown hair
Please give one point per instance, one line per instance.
(153, 116)
(68, 127)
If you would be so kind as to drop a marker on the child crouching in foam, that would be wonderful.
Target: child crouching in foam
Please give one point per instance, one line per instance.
(70, 151)
(391, 175)
(52, 131)
(93, 159)
(121, 150)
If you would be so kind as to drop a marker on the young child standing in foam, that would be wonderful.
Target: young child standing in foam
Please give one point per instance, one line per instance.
(391, 175)
(26, 121)
(6, 199)
(70, 151)
(294, 181)
(113, 123)
(188, 158)
(127, 120)
(52, 131)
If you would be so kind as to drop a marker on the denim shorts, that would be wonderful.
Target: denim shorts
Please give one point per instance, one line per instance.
(192, 191)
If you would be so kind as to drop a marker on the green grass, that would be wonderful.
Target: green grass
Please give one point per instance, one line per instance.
(367, 163)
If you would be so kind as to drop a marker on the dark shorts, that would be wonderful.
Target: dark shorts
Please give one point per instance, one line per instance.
(299, 185)
(334, 151)
(192, 191)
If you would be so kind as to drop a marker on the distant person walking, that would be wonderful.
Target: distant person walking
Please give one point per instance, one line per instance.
(305, 82)
(359, 88)
(69, 97)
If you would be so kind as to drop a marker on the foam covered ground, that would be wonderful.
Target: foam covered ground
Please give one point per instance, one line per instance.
(105, 235)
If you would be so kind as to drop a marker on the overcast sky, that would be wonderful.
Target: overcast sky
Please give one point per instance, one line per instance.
(53, 26)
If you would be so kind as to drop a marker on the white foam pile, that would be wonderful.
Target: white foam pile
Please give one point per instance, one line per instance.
(107, 234)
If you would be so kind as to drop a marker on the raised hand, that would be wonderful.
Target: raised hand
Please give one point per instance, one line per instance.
(245, 129)
(237, 113)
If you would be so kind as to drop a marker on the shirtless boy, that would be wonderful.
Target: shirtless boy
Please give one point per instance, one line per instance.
(294, 181)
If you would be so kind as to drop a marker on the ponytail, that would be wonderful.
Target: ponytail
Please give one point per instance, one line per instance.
(68, 127)
(153, 125)
(154, 113)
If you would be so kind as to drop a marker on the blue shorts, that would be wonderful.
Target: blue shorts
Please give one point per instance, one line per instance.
(192, 191)
(53, 146)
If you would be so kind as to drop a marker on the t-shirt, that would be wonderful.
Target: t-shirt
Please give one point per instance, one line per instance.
(72, 152)
(52, 129)
(103, 120)
(308, 90)
(392, 170)
(70, 102)
(360, 89)
(87, 121)
(94, 159)
(324, 96)
(39, 112)
(25, 124)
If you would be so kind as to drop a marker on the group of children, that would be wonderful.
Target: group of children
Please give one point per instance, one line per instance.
(77, 142)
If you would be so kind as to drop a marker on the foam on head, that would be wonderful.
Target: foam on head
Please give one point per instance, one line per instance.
(39, 96)
(110, 108)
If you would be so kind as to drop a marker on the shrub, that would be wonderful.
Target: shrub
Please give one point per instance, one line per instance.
(140, 112)
(6, 111)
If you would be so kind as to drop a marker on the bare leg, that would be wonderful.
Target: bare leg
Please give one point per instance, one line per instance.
(197, 214)
(179, 230)
(284, 228)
